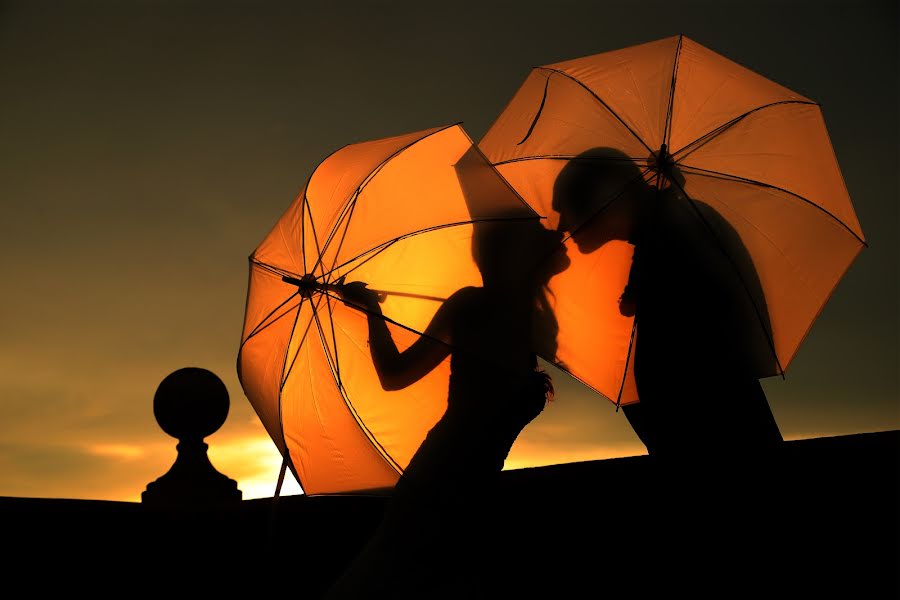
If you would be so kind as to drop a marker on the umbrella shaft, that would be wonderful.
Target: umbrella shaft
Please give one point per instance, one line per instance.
(308, 284)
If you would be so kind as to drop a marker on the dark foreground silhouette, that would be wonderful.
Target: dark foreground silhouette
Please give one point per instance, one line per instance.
(829, 506)
(703, 336)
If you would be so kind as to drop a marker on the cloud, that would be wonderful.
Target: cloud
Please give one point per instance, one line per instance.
(128, 452)
(71, 472)
(254, 462)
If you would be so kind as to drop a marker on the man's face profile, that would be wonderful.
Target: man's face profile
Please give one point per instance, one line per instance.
(598, 211)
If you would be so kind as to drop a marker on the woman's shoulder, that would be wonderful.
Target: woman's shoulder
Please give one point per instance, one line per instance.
(465, 295)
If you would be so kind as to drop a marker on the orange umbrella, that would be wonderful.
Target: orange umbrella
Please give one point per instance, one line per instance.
(396, 213)
(742, 165)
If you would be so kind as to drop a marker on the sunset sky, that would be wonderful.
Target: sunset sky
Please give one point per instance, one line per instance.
(146, 147)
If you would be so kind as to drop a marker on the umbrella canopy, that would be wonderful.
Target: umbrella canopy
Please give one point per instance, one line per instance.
(396, 213)
(743, 165)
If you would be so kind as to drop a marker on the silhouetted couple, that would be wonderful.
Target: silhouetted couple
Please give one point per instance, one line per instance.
(702, 334)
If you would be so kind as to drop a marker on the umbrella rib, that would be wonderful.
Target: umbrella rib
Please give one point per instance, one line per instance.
(384, 245)
(263, 320)
(825, 302)
(539, 111)
(667, 127)
(344, 234)
(287, 455)
(351, 203)
(373, 252)
(372, 174)
(284, 378)
(572, 157)
(727, 177)
(386, 318)
(411, 295)
(287, 372)
(260, 327)
(270, 268)
(303, 229)
(627, 360)
(508, 185)
(383, 163)
(306, 201)
(713, 133)
(315, 401)
(337, 359)
(290, 369)
(721, 248)
(600, 100)
(341, 218)
(362, 424)
(256, 331)
(319, 249)
(380, 451)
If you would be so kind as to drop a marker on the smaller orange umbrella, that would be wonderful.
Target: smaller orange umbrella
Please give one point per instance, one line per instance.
(398, 214)
(747, 178)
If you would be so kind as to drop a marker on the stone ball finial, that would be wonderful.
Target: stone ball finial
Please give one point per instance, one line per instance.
(191, 404)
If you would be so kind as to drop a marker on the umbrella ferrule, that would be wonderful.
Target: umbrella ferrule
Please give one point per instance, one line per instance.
(307, 284)
(662, 161)
(663, 164)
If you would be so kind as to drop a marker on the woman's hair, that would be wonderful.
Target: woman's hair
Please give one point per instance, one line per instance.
(513, 246)
(520, 253)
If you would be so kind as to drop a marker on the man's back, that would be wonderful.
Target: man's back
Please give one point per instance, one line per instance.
(703, 336)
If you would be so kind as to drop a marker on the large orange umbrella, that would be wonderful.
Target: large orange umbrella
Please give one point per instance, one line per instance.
(396, 213)
(749, 160)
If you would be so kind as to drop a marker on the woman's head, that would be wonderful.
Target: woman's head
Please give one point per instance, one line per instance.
(518, 253)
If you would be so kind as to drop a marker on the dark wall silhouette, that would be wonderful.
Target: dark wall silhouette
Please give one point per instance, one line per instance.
(829, 505)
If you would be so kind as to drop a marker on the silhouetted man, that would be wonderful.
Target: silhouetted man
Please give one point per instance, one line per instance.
(703, 335)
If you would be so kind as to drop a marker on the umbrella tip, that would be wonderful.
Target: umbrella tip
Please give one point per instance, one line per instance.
(305, 284)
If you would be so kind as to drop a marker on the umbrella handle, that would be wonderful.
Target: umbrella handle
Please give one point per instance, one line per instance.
(308, 284)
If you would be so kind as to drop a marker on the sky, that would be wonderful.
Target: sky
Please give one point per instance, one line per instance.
(146, 147)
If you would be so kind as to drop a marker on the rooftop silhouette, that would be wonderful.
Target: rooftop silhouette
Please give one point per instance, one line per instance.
(829, 507)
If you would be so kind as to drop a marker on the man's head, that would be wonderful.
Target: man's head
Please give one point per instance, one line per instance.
(598, 196)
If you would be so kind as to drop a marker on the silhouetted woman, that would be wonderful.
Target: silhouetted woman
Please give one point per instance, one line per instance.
(433, 537)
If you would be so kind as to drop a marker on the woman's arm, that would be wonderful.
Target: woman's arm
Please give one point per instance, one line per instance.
(397, 370)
